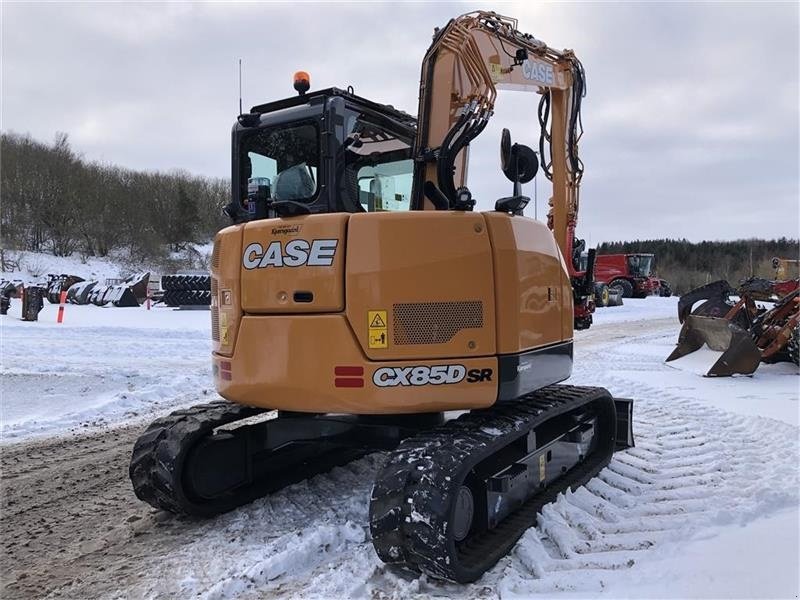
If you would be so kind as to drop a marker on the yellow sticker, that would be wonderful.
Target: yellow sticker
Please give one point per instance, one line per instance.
(495, 71)
(541, 467)
(377, 323)
(223, 329)
(377, 319)
(377, 339)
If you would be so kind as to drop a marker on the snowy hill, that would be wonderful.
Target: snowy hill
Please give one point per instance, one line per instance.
(32, 267)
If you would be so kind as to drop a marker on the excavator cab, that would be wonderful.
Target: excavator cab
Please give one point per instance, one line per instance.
(329, 151)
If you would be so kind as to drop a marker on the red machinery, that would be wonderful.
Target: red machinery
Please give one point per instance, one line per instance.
(630, 273)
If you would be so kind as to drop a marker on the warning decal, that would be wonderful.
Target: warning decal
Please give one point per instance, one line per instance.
(223, 329)
(378, 329)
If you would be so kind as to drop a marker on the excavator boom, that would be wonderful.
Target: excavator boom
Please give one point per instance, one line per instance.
(470, 59)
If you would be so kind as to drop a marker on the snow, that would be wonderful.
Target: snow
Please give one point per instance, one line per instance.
(100, 366)
(35, 266)
(768, 545)
(698, 362)
(772, 391)
(637, 309)
(705, 505)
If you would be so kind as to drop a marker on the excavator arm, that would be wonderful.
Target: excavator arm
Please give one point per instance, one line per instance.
(471, 58)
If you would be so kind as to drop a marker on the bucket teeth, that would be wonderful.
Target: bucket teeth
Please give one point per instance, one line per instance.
(740, 355)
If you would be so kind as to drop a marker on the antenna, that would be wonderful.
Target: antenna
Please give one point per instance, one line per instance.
(240, 86)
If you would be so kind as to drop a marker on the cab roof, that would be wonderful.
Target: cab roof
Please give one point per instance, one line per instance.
(320, 95)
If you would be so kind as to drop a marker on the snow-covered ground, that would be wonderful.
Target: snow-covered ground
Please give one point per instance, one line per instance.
(101, 365)
(705, 505)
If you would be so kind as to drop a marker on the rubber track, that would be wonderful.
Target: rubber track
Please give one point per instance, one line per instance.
(159, 454)
(412, 497)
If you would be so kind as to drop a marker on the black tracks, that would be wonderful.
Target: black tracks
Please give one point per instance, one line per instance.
(413, 497)
(160, 455)
(164, 462)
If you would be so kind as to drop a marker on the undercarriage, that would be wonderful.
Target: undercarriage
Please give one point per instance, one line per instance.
(452, 498)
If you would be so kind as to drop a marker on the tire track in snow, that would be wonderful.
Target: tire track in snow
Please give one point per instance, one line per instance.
(693, 467)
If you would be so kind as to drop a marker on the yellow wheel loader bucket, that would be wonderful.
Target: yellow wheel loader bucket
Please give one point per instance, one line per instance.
(740, 355)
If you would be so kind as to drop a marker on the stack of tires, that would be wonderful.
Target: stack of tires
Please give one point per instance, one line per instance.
(186, 290)
(11, 288)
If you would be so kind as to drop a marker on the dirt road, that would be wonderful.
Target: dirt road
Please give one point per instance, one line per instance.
(71, 526)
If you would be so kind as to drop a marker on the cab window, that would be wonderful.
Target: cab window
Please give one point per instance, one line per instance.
(378, 169)
(285, 159)
(386, 186)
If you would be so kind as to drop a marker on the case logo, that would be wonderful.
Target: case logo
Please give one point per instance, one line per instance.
(538, 71)
(295, 253)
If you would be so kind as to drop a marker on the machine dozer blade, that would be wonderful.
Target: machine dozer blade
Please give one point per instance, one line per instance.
(740, 355)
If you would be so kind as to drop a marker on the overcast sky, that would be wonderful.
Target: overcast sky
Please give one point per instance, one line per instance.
(691, 116)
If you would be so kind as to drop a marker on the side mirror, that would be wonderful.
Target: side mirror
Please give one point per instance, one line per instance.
(527, 163)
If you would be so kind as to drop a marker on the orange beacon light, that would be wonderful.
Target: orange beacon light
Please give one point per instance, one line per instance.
(302, 82)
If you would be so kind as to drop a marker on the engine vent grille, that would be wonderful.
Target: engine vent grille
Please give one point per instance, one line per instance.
(215, 255)
(434, 322)
(214, 323)
(214, 305)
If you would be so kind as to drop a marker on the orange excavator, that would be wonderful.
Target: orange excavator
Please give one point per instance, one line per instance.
(358, 299)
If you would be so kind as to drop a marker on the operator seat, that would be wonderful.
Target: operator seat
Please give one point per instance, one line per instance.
(294, 183)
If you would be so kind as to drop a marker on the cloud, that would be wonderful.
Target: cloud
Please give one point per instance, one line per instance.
(691, 115)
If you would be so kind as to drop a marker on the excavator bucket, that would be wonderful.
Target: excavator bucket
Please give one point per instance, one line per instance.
(740, 355)
(715, 294)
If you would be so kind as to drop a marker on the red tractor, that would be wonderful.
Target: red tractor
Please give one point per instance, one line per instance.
(630, 273)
